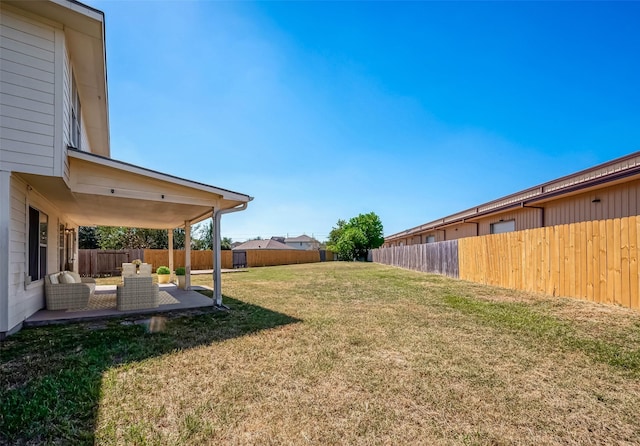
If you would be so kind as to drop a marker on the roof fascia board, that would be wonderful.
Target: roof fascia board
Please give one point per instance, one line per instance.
(120, 165)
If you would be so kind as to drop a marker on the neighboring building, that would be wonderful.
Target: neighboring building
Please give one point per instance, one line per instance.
(610, 190)
(55, 167)
(303, 242)
(261, 244)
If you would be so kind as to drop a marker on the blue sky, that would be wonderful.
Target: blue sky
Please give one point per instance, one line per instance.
(411, 110)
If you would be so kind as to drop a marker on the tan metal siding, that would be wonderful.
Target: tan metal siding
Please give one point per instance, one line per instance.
(525, 218)
(457, 231)
(616, 201)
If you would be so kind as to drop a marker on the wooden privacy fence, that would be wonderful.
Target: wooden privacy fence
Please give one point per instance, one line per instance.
(97, 262)
(439, 258)
(199, 259)
(272, 257)
(254, 257)
(594, 260)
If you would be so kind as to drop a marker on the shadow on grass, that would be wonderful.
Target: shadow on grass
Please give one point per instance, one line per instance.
(50, 377)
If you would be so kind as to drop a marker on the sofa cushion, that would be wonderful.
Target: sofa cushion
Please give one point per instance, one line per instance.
(76, 277)
(66, 277)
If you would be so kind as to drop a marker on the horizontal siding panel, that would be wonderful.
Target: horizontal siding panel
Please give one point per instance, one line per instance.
(17, 231)
(24, 147)
(23, 70)
(16, 245)
(18, 259)
(27, 168)
(26, 126)
(27, 93)
(18, 205)
(14, 22)
(17, 211)
(23, 158)
(27, 61)
(26, 115)
(27, 39)
(27, 104)
(31, 138)
(24, 48)
(26, 82)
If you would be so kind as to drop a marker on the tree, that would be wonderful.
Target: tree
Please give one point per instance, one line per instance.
(353, 239)
(336, 232)
(225, 243)
(87, 237)
(120, 237)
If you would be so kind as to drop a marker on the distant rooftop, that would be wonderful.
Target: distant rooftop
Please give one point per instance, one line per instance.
(300, 238)
(261, 244)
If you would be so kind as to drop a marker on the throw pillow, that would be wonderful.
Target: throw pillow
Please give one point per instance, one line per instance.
(76, 277)
(53, 278)
(65, 277)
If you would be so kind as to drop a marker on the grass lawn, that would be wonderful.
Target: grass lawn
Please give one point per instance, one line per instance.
(334, 353)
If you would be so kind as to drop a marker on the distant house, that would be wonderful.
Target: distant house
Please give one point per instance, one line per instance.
(56, 170)
(303, 242)
(235, 244)
(261, 244)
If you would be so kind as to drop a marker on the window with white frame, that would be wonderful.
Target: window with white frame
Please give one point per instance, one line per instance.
(431, 239)
(61, 257)
(75, 123)
(38, 237)
(503, 226)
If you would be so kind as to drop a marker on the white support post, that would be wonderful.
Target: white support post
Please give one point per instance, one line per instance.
(217, 259)
(217, 265)
(170, 237)
(5, 223)
(187, 254)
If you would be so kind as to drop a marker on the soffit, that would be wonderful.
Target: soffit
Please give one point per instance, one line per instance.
(111, 196)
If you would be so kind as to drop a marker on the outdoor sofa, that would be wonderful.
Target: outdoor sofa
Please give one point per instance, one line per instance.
(66, 290)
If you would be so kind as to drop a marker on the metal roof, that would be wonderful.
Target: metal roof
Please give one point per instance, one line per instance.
(611, 171)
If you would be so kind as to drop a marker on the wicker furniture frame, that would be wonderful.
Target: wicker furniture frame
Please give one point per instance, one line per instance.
(66, 296)
(137, 293)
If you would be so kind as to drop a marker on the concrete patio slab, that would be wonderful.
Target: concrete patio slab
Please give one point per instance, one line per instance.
(188, 299)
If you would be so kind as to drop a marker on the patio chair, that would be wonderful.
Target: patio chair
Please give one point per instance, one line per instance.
(137, 293)
(145, 269)
(128, 270)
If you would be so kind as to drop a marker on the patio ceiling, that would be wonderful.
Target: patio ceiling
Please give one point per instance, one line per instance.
(102, 191)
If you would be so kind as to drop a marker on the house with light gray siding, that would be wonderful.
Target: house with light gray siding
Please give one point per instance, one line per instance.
(56, 170)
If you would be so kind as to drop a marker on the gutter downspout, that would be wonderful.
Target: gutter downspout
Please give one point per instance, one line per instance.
(473, 223)
(217, 270)
(542, 222)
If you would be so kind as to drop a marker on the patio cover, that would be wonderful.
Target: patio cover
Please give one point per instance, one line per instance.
(106, 192)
